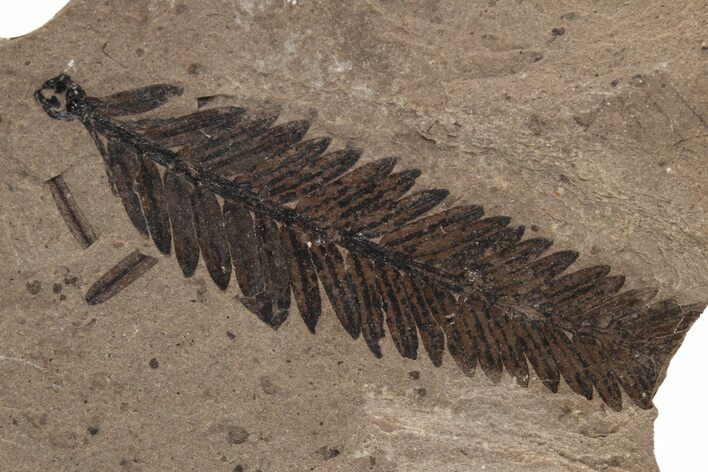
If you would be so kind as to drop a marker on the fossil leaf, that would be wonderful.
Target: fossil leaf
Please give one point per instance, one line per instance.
(211, 234)
(338, 284)
(250, 151)
(125, 272)
(133, 102)
(303, 277)
(148, 185)
(182, 130)
(70, 211)
(295, 217)
(123, 167)
(211, 148)
(178, 195)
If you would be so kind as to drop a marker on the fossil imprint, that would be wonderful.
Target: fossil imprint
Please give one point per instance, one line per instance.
(295, 216)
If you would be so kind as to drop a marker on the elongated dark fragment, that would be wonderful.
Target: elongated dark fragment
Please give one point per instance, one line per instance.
(178, 194)
(190, 128)
(409, 237)
(339, 193)
(141, 100)
(537, 351)
(459, 343)
(227, 139)
(274, 302)
(510, 348)
(209, 223)
(271, 171)
(260, 264)
(148, 184)
(314, 175)
(338, 285)
(569, 364)
(476, 320)
(384, 195)
(446, 245)
(123, 169)
(599, 370)
(370, 312)
(500, 265)
(119, 277)
(244, 156)
(401, 212)
(466, 254)
(74, 218)
(303, 277)
(430, 333)
(395, 303)
(243, 244)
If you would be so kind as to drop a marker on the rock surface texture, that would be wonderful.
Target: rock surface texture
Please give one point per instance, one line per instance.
(586, 123)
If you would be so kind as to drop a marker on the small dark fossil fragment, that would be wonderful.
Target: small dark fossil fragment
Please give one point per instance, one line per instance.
(74, 218)
(236, 435)
(328, 452)
(119, 276)
(34, 287)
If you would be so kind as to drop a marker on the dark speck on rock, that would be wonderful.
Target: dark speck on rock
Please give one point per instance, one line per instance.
(570, 16)
(93, 430)
(70, 280)
(238, 468)
(237, 435)
(56, 288)
(422, 392)
(230, 335)
(327, 452)
(194, 69)
(535, 228)
(34, 287)
(614, 83)
(558, 31)
(268, 386)
(414, 374)
(153, 363)
(638, 80)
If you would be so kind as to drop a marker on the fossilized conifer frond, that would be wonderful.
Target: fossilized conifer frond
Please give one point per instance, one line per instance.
(296, 215)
